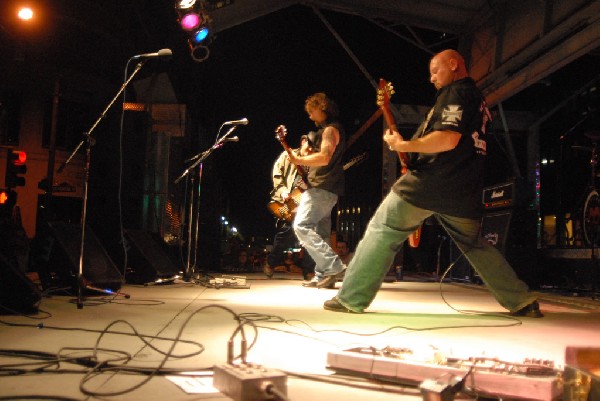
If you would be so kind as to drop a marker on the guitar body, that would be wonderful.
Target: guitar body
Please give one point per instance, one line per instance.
(286, 210)
(384, 94)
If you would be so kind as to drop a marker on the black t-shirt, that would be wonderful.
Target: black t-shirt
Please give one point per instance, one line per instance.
(450, 182)
(331, 176)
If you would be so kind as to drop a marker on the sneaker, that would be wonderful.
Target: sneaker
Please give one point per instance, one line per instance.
(311, 283)
(334, 305)
(531, 310)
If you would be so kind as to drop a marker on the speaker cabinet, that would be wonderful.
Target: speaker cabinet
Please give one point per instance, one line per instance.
(18, 294)
(147, 262)
(513, 233)
(58, 256)
(494, 229)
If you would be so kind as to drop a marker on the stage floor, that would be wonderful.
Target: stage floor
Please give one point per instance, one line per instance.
(286, 329)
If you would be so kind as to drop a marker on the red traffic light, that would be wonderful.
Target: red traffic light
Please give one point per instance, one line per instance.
(15, 168)
(18, 157)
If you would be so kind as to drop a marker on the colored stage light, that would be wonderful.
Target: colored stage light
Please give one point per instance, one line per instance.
(190, 21)
(200, 35)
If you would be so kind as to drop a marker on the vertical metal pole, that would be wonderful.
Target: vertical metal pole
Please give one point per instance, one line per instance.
(187, 275)
(80, 283)
(197, 214)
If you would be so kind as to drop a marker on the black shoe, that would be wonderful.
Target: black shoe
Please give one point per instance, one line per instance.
(310, 283)
(531, 310)
(334, 305)
(327, 282)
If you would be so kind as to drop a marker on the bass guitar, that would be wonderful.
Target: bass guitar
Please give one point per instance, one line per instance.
(384, 94)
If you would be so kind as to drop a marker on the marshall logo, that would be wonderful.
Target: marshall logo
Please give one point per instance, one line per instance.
(451, 115)
(497, 194)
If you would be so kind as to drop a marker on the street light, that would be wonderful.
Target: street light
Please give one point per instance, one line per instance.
(25, 13)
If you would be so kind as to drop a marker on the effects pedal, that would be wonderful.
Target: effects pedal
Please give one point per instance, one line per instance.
(249, 382)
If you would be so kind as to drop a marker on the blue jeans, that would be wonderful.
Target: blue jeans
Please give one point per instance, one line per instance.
(394, 220)
(312, 225)
(285, 239)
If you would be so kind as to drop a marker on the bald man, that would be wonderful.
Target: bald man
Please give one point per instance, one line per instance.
(444, 179)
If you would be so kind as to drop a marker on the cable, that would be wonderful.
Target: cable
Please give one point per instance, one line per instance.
(120, 176)
(275, 393)
(102, 367)
(517, 322)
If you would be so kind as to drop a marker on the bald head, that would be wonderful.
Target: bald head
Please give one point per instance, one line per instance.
(446, 67)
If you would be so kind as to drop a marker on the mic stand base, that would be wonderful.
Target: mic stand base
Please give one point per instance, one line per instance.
(106, 291)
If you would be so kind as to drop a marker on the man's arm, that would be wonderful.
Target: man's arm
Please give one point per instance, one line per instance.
(329, 141)
(434, 142)
(280, 189)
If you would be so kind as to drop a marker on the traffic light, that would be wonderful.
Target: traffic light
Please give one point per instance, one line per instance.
(15, 168)
(8, 200)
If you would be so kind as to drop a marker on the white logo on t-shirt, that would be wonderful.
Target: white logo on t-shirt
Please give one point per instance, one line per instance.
(452, 114)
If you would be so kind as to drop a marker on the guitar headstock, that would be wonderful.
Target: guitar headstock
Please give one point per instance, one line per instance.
(384, 93)
(281, 132)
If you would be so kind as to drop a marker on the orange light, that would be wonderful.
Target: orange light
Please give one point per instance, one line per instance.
(3, 197)
(25, 13)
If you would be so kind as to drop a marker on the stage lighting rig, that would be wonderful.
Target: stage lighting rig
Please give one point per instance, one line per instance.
(194, 19)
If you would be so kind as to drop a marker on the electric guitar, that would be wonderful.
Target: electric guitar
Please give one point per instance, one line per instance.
(384, 93)
(286, 210)
(355, 160)
(280, 133)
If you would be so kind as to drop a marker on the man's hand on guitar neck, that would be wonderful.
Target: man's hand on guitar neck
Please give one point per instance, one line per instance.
(392, 138)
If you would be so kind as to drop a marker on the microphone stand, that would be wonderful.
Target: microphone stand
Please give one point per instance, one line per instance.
(199, 159)
(89, 141)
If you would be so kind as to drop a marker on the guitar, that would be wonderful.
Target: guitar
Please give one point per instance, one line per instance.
(355, 160)
(286, 210)
(280, 133)
(384, 93)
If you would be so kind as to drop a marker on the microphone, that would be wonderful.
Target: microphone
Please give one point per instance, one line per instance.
(243, 121)
(162, 53)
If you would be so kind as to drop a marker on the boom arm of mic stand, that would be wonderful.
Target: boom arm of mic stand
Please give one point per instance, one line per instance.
(200, 157)
(88, 134)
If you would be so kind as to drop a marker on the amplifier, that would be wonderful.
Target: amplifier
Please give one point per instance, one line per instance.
(499, 196)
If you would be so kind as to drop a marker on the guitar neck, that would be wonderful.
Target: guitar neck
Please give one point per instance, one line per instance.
(301, 170)
(389, 119)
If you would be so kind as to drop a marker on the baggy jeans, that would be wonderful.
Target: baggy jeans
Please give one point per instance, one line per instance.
(312, 225)
(394, 220)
